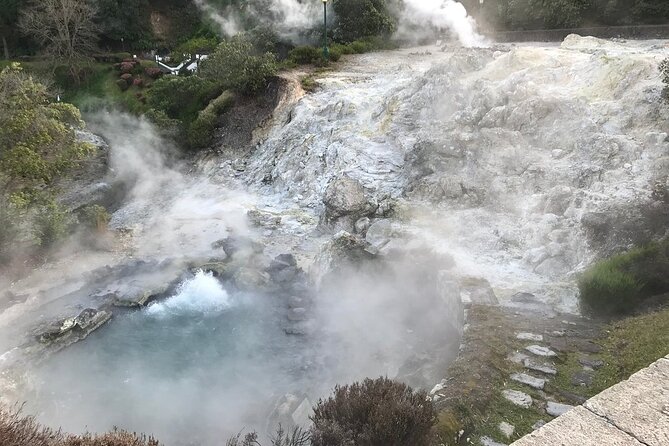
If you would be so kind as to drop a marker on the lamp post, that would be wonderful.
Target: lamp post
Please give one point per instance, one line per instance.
(326, 51)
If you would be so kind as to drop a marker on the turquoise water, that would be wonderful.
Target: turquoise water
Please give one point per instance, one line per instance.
(194, 368)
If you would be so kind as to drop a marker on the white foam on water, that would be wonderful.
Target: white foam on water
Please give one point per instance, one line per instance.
(201, 294)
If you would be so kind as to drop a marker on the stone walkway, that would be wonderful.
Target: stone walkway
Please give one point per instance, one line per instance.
(634, 412)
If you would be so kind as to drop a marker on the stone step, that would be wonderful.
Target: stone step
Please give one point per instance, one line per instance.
(548, 369)
(529, 337)
(528, 380)
(518, 398)
(556, 409)
(539, 350)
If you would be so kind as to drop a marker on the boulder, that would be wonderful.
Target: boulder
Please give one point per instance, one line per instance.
(346, 202)
(68, 331)
(380, 233)
(345, 249)
(251, 279)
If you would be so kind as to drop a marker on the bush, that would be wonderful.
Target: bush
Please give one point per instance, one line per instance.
(236, 65)
(197, 45)
(126, 67)
(181, 97)
(201, 131)
(357, 19)
(122, 84)
(19, 430)
(377, 412)
(153, 72)
(622, 283)
(297, 437)
(306, 55)
(126, 77)
(52, 223)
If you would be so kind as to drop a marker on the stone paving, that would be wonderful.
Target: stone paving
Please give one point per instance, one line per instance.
(634, 412)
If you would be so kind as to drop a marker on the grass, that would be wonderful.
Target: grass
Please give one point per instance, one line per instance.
(632, 344)
(97, 90)
(622, 283)
(628, 346)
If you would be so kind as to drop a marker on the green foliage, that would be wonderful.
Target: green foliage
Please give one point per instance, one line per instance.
(377, 412)
(124, 19)
(236, 65)
(632, 344)
(201, 131)
(51, 224)
(357, 19)
(37, 137)
(622, 283)
(306, 55)
(181, 97)
(196, 45)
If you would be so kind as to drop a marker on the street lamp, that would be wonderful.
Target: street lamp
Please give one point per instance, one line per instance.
(326, 51)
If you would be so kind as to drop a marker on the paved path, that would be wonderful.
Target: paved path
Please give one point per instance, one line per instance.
(632, 413)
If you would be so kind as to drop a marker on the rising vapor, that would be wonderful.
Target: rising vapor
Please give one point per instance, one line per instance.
(441, 14)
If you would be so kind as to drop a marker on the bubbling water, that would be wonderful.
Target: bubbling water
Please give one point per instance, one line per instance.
(201, 294)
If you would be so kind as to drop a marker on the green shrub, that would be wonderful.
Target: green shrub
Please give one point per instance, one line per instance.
(122, 84)
(306, 55)
(181, 97)
(51, 225)
(9, 229)
(622, 283)
(377, 412)
(201, 131)
(362, 18)
(196, 45)
(236, 65)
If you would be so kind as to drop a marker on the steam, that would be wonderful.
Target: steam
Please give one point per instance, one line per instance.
(227, 21)
(288, 18)
(169, 212)
(440, 14)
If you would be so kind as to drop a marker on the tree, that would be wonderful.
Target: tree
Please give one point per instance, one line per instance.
(123, 20)
(65, 28)
(236, 65)
(357, 19)
(9, 14)
(38, 145)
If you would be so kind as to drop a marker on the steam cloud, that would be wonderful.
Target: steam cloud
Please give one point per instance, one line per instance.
(287, 17)
(441, 14)
(228, 23)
